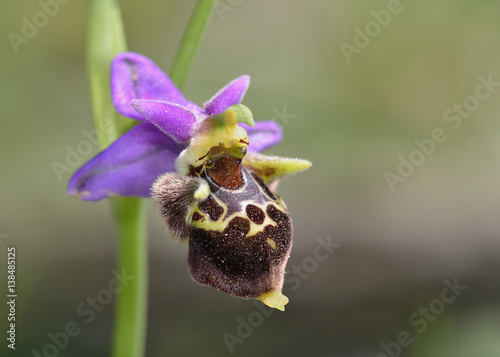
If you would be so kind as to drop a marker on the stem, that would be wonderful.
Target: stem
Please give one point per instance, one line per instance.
(106, 39)
(190, 42)
(130, 319)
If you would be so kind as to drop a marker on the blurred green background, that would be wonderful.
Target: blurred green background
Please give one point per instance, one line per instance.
(356, 117)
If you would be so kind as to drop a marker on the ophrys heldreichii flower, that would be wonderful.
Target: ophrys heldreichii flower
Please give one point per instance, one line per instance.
(211, 185)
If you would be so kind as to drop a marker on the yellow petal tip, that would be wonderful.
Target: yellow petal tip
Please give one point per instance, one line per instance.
(274, 299)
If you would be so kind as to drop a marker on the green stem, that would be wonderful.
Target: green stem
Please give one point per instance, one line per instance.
(130, 320)
(190, 42)
(106, 39)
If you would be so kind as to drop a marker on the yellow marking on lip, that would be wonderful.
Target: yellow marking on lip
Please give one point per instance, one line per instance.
(208, 224)
(257, 228)
(223, 222)
(271, 243)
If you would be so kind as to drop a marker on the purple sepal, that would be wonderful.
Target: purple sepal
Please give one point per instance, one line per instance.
(231, 94)
(263, 135)
(134, 76)
(173, 119)
(128, 167)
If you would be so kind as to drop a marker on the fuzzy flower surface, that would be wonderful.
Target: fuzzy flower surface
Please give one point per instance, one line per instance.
(141, 91)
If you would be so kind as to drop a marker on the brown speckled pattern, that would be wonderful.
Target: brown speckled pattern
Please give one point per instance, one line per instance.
(229, 260)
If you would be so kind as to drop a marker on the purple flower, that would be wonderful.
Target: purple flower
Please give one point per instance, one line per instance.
(141, 91)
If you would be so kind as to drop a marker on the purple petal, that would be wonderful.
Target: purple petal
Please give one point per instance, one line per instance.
(128, 167)
(263, 135)
(173, 119)
(231, 94)
(134, 76)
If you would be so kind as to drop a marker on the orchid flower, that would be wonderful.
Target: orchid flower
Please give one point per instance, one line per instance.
(211, 185)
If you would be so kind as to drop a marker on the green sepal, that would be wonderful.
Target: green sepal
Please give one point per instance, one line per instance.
(270, 168)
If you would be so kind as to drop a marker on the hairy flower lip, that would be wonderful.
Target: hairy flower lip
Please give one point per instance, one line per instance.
(141, 91)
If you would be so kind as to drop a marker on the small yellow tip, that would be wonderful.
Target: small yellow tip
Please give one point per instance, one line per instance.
(274, 299)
